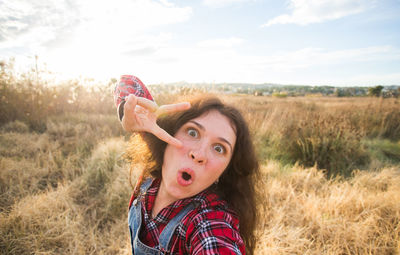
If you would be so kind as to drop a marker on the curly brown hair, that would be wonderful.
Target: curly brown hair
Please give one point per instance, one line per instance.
(237, 183)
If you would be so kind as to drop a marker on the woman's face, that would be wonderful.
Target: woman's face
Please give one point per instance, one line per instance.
(208, 143)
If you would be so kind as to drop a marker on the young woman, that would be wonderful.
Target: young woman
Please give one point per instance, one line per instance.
(200, 197)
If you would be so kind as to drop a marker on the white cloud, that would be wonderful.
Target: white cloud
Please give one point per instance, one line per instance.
(89, 24)
(195, 64)
(203, 64)
(313, 57)
(105, 39)
(166, 3)
(85, 37)
(129, 16)
(143, 45)
(28, 23)
(221, 3)
(155, 60)
(220, 43)
(316, 11)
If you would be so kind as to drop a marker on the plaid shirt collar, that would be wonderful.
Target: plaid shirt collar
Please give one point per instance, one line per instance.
(203, 198)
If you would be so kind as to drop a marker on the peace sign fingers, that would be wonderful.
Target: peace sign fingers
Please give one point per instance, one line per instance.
(140, 114)
(171, 108)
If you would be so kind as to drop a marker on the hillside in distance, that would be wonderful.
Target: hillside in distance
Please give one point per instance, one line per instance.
(274, 88)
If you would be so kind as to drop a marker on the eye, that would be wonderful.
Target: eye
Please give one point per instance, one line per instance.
(219, 148)
(192, 132)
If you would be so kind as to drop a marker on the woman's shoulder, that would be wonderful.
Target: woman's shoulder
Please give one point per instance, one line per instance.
(212, 208)
(142, 186)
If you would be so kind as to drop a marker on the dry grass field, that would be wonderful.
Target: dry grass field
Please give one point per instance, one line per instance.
(330, 174)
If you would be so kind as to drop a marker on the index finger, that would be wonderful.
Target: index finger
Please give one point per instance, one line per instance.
(170, 108)
(163, 135)
(148, 104)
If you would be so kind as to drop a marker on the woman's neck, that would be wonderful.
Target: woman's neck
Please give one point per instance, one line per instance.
(163, 199)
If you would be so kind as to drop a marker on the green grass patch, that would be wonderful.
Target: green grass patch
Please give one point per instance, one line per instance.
(385, 151)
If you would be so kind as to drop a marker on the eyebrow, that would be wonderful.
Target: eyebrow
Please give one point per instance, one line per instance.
(203, 128)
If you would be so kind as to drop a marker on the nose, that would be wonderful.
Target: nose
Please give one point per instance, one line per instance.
(198, 156)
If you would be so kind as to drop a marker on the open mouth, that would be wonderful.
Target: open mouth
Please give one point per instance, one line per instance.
(186, 176)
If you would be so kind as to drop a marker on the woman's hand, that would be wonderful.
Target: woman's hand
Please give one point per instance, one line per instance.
(140, 115)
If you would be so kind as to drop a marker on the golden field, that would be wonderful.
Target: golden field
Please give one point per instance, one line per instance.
(330, 174)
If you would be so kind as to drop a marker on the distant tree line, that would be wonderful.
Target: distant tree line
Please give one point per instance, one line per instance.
(278, 90)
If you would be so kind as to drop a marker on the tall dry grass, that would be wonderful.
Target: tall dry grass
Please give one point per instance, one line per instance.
(32, 162)
(327, 132)
(64, 186)
(31, 100)
(83, 216)
(305, 213)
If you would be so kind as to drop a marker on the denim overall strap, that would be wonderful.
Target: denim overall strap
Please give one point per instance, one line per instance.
(135, 222)
(168, 231)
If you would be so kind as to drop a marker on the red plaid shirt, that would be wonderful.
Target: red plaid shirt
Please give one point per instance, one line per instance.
(211, 228)
(130, 84)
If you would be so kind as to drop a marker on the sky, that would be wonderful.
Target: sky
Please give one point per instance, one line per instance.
(304, 42)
